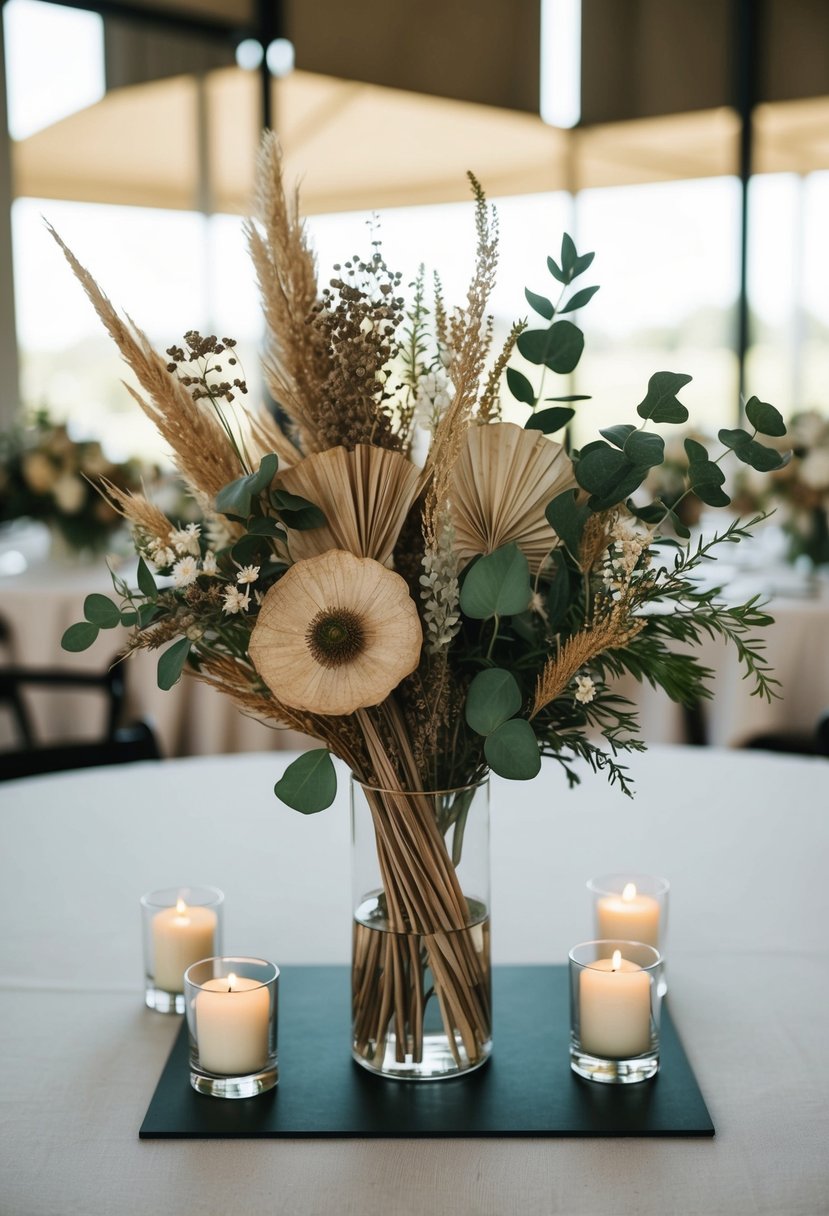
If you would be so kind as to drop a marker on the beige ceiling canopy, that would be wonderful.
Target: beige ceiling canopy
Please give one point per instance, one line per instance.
(354, 146)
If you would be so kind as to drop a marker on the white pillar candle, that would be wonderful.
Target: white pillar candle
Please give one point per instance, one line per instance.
(629, 917)
(614, 1008)
(232, 1024)
(181, 936)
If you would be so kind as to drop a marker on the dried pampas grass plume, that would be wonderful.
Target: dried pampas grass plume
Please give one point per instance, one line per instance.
(202, 454)
(501, 485)
(365, 494)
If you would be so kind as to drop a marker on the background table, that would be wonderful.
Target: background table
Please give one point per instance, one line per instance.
(743, 838)
(41, 603)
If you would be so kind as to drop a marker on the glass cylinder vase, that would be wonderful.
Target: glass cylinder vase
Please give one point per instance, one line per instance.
(421, 992)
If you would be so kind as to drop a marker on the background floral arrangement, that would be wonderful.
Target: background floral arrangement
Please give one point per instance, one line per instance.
(425, 622)
(799, 490)
(47, 475)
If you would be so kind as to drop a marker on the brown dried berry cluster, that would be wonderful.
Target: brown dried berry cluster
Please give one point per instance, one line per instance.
(359, 315)
(198, 353)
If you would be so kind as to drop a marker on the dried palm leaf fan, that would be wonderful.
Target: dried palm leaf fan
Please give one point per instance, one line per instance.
(501, 484)
(365, 494)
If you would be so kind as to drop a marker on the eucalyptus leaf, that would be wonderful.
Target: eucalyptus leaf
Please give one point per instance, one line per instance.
(567, 519)
(549, 421)
(696, 453)
(498, 584)
(556, 271)
(540, 304)
(765, 418)
(262, 478)
(660, 403)
(599, 468)
(171, 663)
(309, 783)
(493, 697)
(579, 299)
(558, 593)
(146, 614)
(618, 435)
(512, 751)
(759, 457)
(520, 387)
(251, 550)
(297, 512)
(559, 348)
(79, 637)
(568, 253)
(101, 611)
(146, 582)
(644, 449)
(736, 438)
(266, 525)
(236, 496)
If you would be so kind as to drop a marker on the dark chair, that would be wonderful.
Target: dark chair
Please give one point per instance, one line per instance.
(815, 744)
(118, 745)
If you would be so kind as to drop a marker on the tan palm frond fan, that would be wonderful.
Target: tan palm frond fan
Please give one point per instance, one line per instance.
(501, 484)
(365, 494)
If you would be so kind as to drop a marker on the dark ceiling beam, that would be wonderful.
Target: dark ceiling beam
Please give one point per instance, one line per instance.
(180, 20)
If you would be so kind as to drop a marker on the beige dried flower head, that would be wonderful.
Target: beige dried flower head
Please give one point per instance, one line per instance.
(337, 633)
(501, 484)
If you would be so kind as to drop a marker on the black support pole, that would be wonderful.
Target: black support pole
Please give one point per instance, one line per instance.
(747, 17)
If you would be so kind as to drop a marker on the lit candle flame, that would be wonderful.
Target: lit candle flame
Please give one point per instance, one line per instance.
(629, 892)
(616, 961)
(181, 907)
(231, 980)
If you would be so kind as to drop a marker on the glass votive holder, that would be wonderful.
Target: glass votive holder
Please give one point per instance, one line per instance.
(632, 907)
(615, 1006)
(232, 1017)
(180, 925)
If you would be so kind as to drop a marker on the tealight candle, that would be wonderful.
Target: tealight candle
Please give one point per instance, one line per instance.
(631, 907)
(232, 1017)
(231, 1006)
(181, 936)
(615, 1002)
(614, 1008)
(180, 926)
(631, 915)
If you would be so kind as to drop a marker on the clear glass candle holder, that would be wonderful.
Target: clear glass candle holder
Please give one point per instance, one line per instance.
(615, 1006)
(232, 1017)
(633, 907)
(180, 925)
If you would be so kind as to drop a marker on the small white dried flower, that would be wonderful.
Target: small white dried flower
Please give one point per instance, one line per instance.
(585, 690)
(433, 397)
(209, 564)
(440, 592)
(248, 574)
(195, 633)
(185, 540)
(235, 600)
(161, 558)
(185, 571)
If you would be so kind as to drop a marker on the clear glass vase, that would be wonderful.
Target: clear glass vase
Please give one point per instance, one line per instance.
(421, 991)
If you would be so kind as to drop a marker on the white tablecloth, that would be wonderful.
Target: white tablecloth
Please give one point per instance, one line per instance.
(743, 837)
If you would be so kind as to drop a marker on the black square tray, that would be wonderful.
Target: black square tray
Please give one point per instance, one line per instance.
(526, 1089)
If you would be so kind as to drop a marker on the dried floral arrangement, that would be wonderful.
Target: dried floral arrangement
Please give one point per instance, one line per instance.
(424, 622)
(47, 475)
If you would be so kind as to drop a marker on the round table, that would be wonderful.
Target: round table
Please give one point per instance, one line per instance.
(743, 838)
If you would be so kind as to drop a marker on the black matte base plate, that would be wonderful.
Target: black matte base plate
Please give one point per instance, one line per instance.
(526, 1089)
